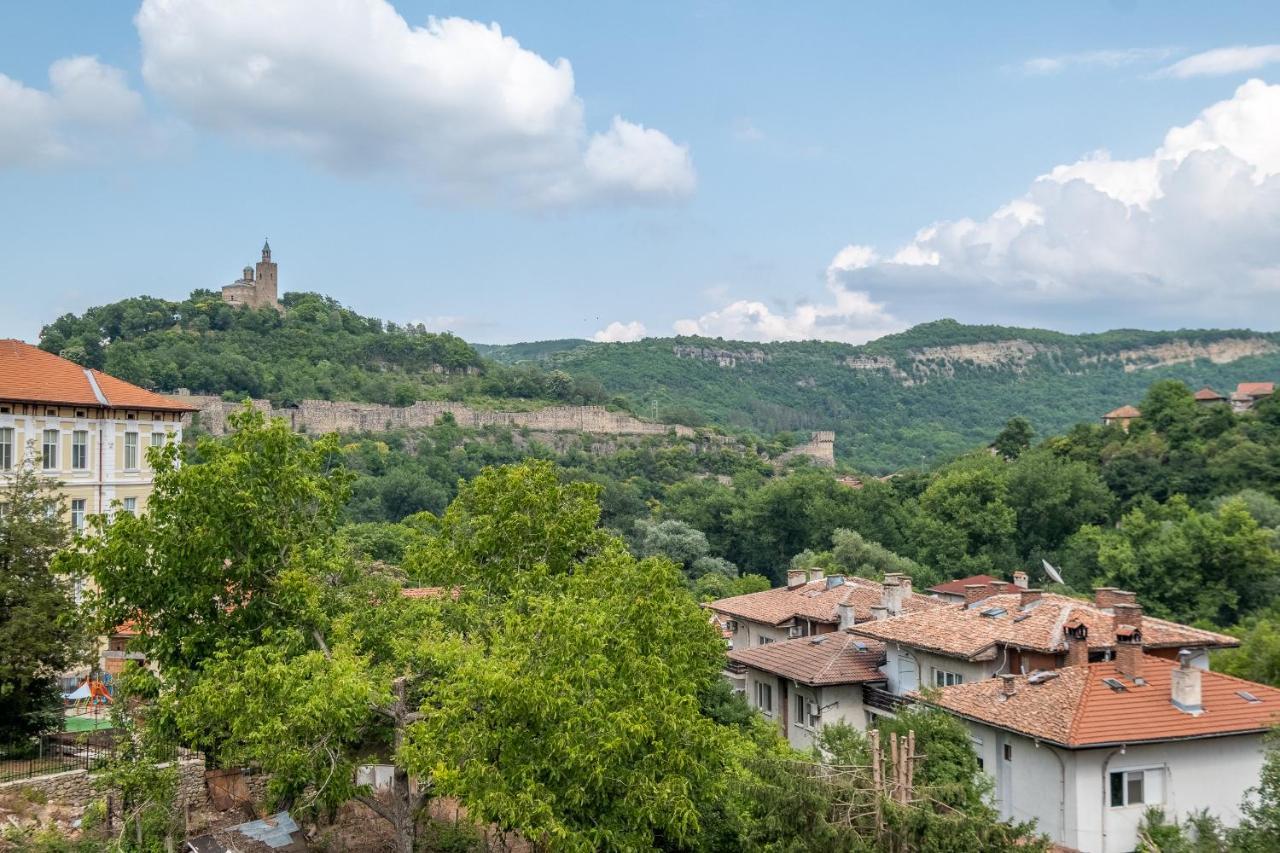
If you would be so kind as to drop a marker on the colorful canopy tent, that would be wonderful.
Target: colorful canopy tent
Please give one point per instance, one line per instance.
(91, 692)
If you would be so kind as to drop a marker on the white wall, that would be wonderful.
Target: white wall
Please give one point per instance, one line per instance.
(749, 633)
(841, 703)
(902, 664)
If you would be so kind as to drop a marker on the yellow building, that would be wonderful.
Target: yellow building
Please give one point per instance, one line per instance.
(81, 427)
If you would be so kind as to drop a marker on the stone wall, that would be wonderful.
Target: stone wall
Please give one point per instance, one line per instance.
(821, 448)
(324, 416)
(75, 788)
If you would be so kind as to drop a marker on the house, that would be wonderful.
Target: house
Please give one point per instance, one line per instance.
(1086, 749)
(85, 429)
(811, 603)
(997, 632)
(809, 682)
(953, 592)
(1248, 394)
(1122, 416)
(1206, 396)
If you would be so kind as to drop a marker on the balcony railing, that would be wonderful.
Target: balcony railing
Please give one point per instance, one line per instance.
(879, 699)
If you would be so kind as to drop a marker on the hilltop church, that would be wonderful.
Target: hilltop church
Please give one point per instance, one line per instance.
(256, 288)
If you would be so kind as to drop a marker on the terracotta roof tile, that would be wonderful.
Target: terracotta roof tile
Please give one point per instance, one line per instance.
(1256, 389)
(835, 658)
(29, 374)
(1207, 393)
(966, 632)
(1078, 709)
(956, 587)
(1124, 412)
(815, 600)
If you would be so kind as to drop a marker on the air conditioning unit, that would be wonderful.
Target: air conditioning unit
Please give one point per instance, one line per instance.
(811, 708)
(795, 631)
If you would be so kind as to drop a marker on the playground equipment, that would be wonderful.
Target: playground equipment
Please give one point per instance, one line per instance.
(88, 696)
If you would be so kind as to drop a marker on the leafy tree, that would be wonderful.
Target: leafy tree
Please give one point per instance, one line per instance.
(683, 545)
(965, 523)
(1259, 828)
(1258, 656)
(1052, 498)
(1014, 438)
(41, 632)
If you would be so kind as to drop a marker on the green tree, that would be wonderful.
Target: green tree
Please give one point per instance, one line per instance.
(1259, 828)
(965, 524)
(41, 630)
(1014, 438)
(1053, 497)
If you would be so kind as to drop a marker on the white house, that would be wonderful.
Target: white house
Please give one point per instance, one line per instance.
(1084, 750)
(810, 682)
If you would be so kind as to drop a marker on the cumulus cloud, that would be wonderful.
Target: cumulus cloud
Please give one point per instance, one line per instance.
(619, 332)
(1043, 65)
(456, 105)
(86, 106)
(1189, 234)
(1224, 60)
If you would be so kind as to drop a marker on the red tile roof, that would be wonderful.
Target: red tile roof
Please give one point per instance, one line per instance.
(964, 632)
(29, 374)
(1077, 709)
(824, 659)
(1256, 389)
(1207, 393)
(815, 600)
(956, 587)
(1124, 412)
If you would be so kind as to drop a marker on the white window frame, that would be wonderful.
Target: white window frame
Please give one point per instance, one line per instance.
(946, 678)
(131, 450)
(129, 505)
(49, 449)
(77, 514)
(158, 438)
(1153, 785)
(80, 448)
(6, 448)
(764, 691)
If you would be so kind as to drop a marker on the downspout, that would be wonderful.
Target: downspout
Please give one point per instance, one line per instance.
(1062, 799)
(1106, 793)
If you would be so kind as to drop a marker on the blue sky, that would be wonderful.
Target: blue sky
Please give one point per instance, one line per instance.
(768, 177)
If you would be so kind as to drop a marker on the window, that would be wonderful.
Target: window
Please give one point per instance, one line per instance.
(130, 505)
(49, 450)
(977, 750)
(157, 438)
(77, 515)
(803, 717)
(6, 448)
(763, 641)
(50, 413)
(942, 678)
(131, 451)
(1137, 787)
(80, 413)
(1008, 752)
(80, 450)
(764, 697)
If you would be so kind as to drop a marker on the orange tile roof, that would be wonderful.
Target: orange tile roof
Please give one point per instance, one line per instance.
(1256, 389)
(1207, 393)
(835, 658)
(1124, 412)
(1077, 709)
(964, 632)
(814, 600)
(29, 374)
(424, 592)
(956, 587)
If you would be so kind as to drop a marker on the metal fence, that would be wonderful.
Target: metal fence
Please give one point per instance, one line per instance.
(59, 752)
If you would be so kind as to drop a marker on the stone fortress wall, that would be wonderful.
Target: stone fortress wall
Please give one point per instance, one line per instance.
(317, 417)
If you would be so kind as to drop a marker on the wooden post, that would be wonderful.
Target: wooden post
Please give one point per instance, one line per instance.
(876, 780)
(911, 764)
(110, 809)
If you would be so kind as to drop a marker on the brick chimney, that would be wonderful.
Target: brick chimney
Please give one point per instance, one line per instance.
(1106, 597)
(1184, 686)
(1020, 579)
(1027, 596)
(1129, 658)
(975, 592)
(891, 594)
(816, 574)
(1008, 685)
(1077, 636)
(1126, 615)
(847, 618)
(795, 578)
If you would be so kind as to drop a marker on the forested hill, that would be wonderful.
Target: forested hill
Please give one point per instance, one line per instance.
(932, 391)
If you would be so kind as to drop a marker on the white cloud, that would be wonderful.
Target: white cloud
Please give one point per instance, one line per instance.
(1189, 234)
(456, 105)
(618, 332)
(850, 316)
(1224, 60)
(1095, 59)
(86, 106)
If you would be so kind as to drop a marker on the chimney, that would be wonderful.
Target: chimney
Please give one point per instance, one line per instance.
(1129, 658)
(1020, 579)
(891, 594)
(878, 611)
(816, 574)
(1106, 597)
(975, 592)
(795, 578)
(1027, 596)
(1127, 616)
(1008, 685)
(1184, 686)
(1077, 634)
(847, 618)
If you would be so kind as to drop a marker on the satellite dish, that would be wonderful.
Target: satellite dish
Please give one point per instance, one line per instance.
(1051, 572)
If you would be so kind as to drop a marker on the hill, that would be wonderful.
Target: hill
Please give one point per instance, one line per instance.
(930, 392)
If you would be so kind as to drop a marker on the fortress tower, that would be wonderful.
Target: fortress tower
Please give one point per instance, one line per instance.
(256, 289)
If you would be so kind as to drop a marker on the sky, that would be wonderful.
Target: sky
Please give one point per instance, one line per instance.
(517, 171)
